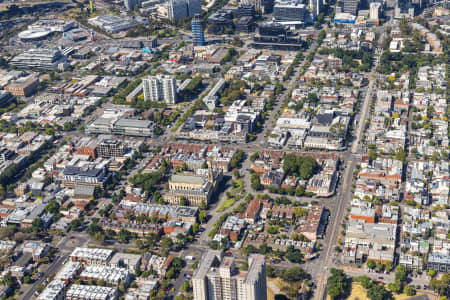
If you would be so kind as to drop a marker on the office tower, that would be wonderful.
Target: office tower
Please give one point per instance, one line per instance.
(350, 6)
(245, 10)
(217, 278)
(198, 35)
(404, 9)
(289, 11)
(194, 7)
(177, 9)
(374, 12)
(264, 6)
(130, 4)
(267, 6)
(160, 88)
(316, 7)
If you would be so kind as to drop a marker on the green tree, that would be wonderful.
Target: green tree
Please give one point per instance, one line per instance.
(166, 243)
(293, 255)
(40, 288)
(202, 216)
(442, 286)
(195, 228)
(272, 229)
(75, 224)
(378, 292)
(302, 166)
(388, 266)
(294, 274)
(380, 266)
(396, 286)
(338, 284)
(401, 273)
(183, 201)
(52, 207)
(255, 182)
(370, 264)
(124, 235)
(432, 273)
(409, 290)
(400, 154)
(300, 212)
(366, 282)
(186, 287)
(27, 279)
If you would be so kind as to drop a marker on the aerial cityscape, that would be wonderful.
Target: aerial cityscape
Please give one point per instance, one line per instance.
(224, 149)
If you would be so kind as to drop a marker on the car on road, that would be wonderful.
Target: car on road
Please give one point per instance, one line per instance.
(380, 277)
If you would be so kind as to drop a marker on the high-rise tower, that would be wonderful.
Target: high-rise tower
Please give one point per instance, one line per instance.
(198, 34)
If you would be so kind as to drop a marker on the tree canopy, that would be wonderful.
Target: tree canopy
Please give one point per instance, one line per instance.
(338, 284)
(301, 166)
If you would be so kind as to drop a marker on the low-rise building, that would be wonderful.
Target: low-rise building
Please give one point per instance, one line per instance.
(130, 261)
(313, 226)
(25, 86)
(91, 292)
(53, 291)
(92, 256)
(111, 275)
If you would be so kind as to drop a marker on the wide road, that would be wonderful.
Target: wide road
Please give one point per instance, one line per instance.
(364, 112)
(352, 159)
(336, 218)
(52, 269)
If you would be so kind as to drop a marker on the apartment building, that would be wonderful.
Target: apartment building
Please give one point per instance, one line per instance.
(87, 175)
(160, 88)
(93, 256)
(111, 275)
(111, 148)
(91, 292)
(53, 291)
(218, 278)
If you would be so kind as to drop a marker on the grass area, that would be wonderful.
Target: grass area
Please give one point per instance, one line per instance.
(358, 292)
(75, 13)
(227, 204)
(279, 283)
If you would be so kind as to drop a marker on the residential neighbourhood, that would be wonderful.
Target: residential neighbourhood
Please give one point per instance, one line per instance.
(224, 149)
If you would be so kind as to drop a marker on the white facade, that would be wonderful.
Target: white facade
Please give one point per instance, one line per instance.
(160, 88)
(215, 279)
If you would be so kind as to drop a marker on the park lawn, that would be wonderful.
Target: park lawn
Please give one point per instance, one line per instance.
(358, 292)
(227, 204)
(279, 285)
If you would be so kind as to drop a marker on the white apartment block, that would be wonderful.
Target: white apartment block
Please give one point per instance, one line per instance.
(53, 291)
(91, 292)
(160, 88)
(218, 278)
(92, 256)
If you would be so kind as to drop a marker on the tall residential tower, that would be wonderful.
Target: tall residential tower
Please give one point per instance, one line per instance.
(218, 278)
(160, 88)
(198, 35)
